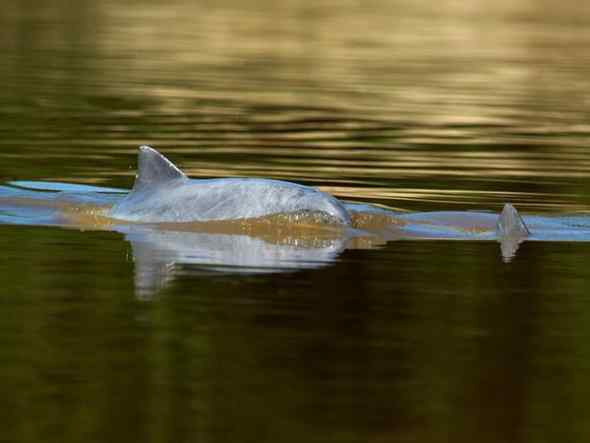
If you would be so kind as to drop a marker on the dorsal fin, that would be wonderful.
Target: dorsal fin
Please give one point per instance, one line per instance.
(510, 223)
(511, 231)
(154, 169)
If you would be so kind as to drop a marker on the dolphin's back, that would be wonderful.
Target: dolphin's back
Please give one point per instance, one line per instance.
(167, 195)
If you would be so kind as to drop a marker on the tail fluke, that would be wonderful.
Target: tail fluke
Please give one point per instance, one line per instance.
(511, 231)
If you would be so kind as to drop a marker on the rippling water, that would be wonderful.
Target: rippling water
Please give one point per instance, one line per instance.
(412, 105)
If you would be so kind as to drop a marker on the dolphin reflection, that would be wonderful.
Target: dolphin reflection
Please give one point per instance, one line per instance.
(159, 255)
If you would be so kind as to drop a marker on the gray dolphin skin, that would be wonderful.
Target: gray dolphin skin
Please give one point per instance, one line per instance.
(511, 231)
(162, 193)
(511, 224)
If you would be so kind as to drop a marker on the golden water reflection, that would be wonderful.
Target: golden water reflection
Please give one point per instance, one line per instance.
(472, 98)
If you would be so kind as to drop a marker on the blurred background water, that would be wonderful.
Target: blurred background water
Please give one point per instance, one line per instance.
(419, 105)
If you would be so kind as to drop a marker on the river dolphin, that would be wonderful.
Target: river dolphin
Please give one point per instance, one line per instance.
(162, 193)
(260, 242)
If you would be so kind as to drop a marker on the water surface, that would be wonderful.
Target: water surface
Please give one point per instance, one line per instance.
(413, 105)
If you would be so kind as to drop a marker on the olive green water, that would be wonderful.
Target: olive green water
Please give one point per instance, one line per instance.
(415, 105)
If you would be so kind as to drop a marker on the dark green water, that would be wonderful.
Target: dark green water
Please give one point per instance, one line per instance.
(416, 105)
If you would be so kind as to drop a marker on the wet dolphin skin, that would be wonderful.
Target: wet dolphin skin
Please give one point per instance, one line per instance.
(163, 193)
